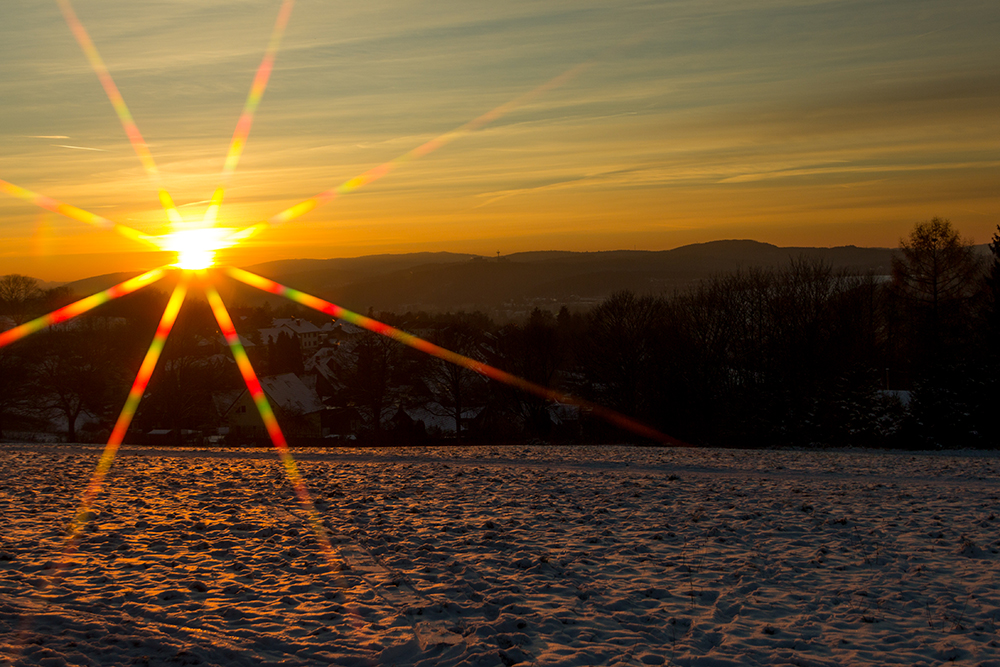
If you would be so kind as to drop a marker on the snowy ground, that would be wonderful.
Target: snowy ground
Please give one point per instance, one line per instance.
(502, 556)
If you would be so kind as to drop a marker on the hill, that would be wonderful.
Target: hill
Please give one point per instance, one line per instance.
(546, 278)
(518, 282)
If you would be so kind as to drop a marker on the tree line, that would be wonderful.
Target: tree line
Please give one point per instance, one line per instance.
(798, 356)
(809, 356)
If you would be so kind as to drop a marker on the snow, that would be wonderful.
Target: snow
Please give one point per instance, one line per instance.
(291, 393)
(498, 556)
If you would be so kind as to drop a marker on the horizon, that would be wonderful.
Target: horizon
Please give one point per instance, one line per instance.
(679, 128)
(138, 270)
(656, 127)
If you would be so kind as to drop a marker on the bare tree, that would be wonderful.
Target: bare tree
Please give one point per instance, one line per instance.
(534, 352)
(80, 372)
(623, 352)
(17, 295)
(16, 398)
(367, 373)
(457, 388)
(993, 289)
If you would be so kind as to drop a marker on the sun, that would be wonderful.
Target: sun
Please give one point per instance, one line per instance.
(196, 248)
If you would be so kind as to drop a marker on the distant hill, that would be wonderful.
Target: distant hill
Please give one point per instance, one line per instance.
(355, 267)
(539, 278)
(453, 281)
(89, 286)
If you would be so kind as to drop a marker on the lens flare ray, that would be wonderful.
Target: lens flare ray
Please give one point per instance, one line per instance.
(124, 115)
(80, 307)
(270, 421)
(131, 405)
(196, 244)
(378, 172)
(249, 108)
(609, 415)
(73, 212)
(82, 515)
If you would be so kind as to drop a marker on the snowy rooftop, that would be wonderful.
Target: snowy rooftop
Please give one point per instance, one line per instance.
(291, 393)
(295, 325)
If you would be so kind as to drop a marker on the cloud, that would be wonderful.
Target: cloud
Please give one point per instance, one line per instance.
(771, 97)
(858, 169)
(81, 148)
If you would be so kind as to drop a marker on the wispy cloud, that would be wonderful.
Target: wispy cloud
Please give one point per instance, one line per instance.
(81, 148)
(859, 169)
(785, 111)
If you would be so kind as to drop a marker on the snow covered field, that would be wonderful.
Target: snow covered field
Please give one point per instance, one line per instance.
(502, 556)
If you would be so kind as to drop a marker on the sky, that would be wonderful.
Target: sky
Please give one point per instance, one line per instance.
(798, 123)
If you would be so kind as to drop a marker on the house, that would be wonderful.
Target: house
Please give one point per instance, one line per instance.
(269, 335)
(341, 330)
(329, 366)
(296, 406)
(308, 334)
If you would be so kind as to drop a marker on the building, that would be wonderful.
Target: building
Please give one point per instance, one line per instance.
(296, 406)
(308, 334)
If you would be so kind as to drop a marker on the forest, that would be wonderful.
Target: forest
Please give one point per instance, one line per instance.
(800, 355)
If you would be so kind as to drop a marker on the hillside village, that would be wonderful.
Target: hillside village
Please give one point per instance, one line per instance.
(318, 398)
(801, 355)
(326, 381)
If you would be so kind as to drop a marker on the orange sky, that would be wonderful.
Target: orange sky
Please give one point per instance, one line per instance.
(795, 123)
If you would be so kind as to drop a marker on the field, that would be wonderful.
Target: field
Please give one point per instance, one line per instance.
(503, 556)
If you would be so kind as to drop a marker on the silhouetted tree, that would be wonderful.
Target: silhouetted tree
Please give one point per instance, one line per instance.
(81, 370)
(534, 352)
(18, 296)
(984, 369)
(936, 275)
(702, 360)
(454, 387)
(180, 393)
(622, 353)
(935, 280)
(16, 395)
(284, 355)
(993, 293)
(765, 357)
(367, 375)
(57, 297)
